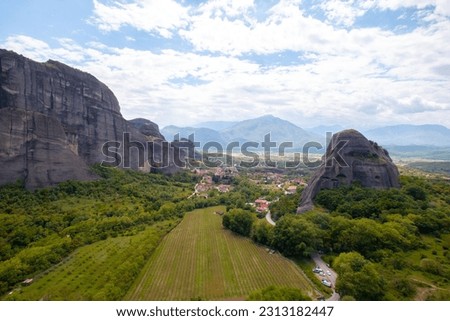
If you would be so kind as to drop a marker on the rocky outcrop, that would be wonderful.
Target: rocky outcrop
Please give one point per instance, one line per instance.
(34, 148)
(146, 127)
(54, 121)
(351, 157)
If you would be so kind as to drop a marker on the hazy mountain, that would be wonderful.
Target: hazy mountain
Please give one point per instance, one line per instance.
(248, 130)
(201, 135)
(416, 151)
(280, 130)
(410, 136)
(216, 125)
(403, 135)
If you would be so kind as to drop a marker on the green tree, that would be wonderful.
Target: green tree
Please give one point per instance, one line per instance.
(404, 287)
(273, 293)
(287, 204)
(168, 210)
(262, 232)
(364, 236)
(358, 277)
(296, 236)
(239, 221)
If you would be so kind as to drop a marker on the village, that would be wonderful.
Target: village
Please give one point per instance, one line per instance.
(221, 179)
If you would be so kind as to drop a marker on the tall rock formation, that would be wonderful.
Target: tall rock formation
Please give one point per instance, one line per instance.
(351, 157)
(54, 121)
(147, 127)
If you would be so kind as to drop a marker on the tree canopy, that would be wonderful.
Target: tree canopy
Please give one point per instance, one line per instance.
(273, 293)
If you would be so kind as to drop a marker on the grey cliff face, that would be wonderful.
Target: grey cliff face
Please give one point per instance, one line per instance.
(54, 120)
(351, 157)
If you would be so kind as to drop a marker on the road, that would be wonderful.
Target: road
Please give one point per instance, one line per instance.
(269, 218)
(333, 277)
(195, 191)
(320, 263)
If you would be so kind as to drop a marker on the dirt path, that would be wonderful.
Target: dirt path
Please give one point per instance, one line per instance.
(194, 193)
(423, 293)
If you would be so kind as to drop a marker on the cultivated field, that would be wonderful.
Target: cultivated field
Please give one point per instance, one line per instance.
(201, 260)
(100, 271)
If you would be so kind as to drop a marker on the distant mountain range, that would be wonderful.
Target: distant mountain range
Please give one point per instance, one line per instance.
(251, 130)
(201, 134)
(403, 135)
(216, 125)
(281, 130)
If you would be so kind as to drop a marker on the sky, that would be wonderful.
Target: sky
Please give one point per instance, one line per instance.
(359, 64)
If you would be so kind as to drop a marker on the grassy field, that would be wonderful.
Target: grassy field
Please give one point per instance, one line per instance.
(100, 271)
(201, 260)
(429, 268)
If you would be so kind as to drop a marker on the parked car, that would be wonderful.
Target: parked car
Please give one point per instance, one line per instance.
(328, 273)
(326, 283)
(317, 270)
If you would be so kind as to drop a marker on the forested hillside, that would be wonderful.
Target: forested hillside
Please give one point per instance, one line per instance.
(385, 244)
(39, 229)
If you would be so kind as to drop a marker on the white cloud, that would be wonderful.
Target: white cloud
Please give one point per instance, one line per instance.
(396, 4)
(353, 76)
(229, 8)
(285, 28)
(28, 46)
(443, 7)
(351, 89)
(231, 27)
(345, 12)
(69, 51)
(154, 16)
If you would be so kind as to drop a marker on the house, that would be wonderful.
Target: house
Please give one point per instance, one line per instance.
(223, 188)
(262, 205)
(207, 179)
(291, 190)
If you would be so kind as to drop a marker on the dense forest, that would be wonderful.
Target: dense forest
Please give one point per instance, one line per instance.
(39, 229)
(273, 293)
(385, 244)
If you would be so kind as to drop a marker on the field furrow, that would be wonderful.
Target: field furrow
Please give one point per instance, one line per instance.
(199, 259)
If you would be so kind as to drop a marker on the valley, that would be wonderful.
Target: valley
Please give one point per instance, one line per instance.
(97, 207)
(136, 236)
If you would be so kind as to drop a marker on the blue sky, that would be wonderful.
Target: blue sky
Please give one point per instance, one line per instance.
(355, 63)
